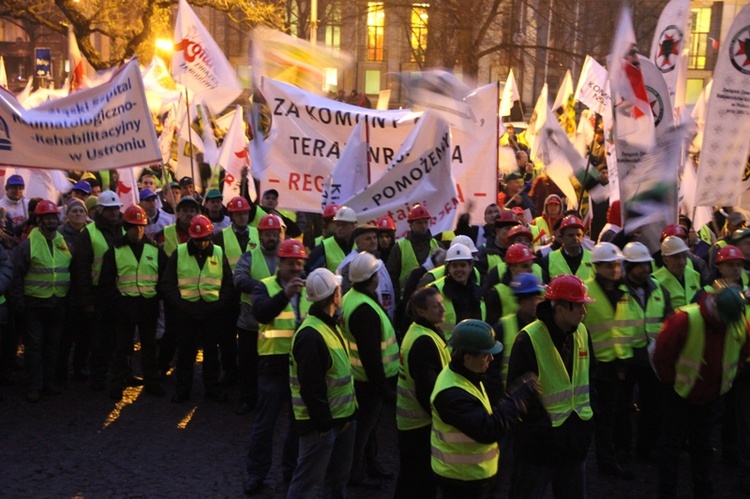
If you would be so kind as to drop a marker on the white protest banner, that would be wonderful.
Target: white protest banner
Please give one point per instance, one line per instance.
(199, 64)
(307, 135)
(670, 41)
(419, 173)
(725, 136)
(100, 128)
(352, 173)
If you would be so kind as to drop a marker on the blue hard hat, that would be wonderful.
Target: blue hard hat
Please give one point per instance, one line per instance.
(82, 186)
(526, 283)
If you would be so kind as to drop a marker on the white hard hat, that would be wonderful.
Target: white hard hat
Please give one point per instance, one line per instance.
(321, 283)
(108, 198)
(363, 267)
(636, 252)
(458, 252)
(466, 241)
(606, 252)
(673, 245)
(345, 214)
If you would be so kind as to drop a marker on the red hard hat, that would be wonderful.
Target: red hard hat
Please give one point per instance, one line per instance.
(571, 221)
(200, 227)
(238, 204)
(673, 230)
(291, 248)
(135, 215)
(517, 210)
(419, 212)
(729, 253)
(331, 210)
(569, 288)
(386, 223)
(46, 207)
(518, 253)
(515, 231)
(269, 222)
(506, 217)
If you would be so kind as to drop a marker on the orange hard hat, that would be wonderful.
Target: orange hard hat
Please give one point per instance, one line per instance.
(135, 215)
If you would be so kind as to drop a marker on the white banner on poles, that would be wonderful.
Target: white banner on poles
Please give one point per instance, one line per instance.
(100, 128)
(419, 173)
(726, 146)
(351, 174)
(669, 44)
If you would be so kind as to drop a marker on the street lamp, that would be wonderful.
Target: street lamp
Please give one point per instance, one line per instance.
(164, 45)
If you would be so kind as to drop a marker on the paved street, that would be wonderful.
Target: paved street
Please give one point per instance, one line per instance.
(81, 444)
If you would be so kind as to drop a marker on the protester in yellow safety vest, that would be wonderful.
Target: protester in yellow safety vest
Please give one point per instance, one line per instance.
(528, 292)
(91, 245)
(386, 236)
(374, 358)
(479, 234)
(432, 275)
(197, 284)
(571, 258)
(329, 228)
(698, 353)
(332, 251)
(41, 280)
(551, 446)
(254, 265)
(424, 353)
(604, 320)
(694, 262)
(675, 276)
(493, 253)
(730, 266)
(735, 220)
(130, 274)
(550, 214)
(279, 305)
(648, 304)
(466, 426)
(500, 298)
(413, 250)
(462, 297)
(269, 202)
(741, 239)
(533, 230)
(322, 387)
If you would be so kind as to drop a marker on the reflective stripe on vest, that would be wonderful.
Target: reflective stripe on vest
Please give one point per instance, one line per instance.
(608, 326)
(644, 325)
(171, 239)
(232, 245)
(99, 246)
(561, 396)
(449, 318)
(688, 367)
(678, 294)
(197, 283)
(49, 272)
(258, 270)
(137, 278)
(338, 378)
(410, 415)
(455, 455)
(558, 265)
(510, 331)
(275, 338)
(409, 259)
(334, 254)
(388, 345)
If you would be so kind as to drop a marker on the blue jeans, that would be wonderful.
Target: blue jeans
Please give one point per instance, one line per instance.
(324, 459)
(273, 393)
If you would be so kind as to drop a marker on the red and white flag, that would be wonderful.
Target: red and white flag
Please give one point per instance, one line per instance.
(199, 64)
(127, 188)
(234, 157)
(510, 95)
(634, 123)
(78, 69)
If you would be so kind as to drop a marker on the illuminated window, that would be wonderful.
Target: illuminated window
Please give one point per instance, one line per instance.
(699, 41)
(375, 30)
(333, 28)
(418, 38)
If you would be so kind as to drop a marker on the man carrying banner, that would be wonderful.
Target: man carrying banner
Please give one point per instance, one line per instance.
(332, 251)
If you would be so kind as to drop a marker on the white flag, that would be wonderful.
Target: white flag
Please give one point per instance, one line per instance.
(419, 173)
(167, 135)
(127, 188)
(634, 123)
(3, 74)
(670, 45)
(79, 66)
(161, 90)
(593, 87)
(538, 117)
(352, 172)
(510, 95)
(199, 64)
(564, 93)
(233, 156)
(45, 184)
(725, 148)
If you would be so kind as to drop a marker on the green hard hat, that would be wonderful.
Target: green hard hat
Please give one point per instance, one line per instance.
(473, 335)
(730, 304)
